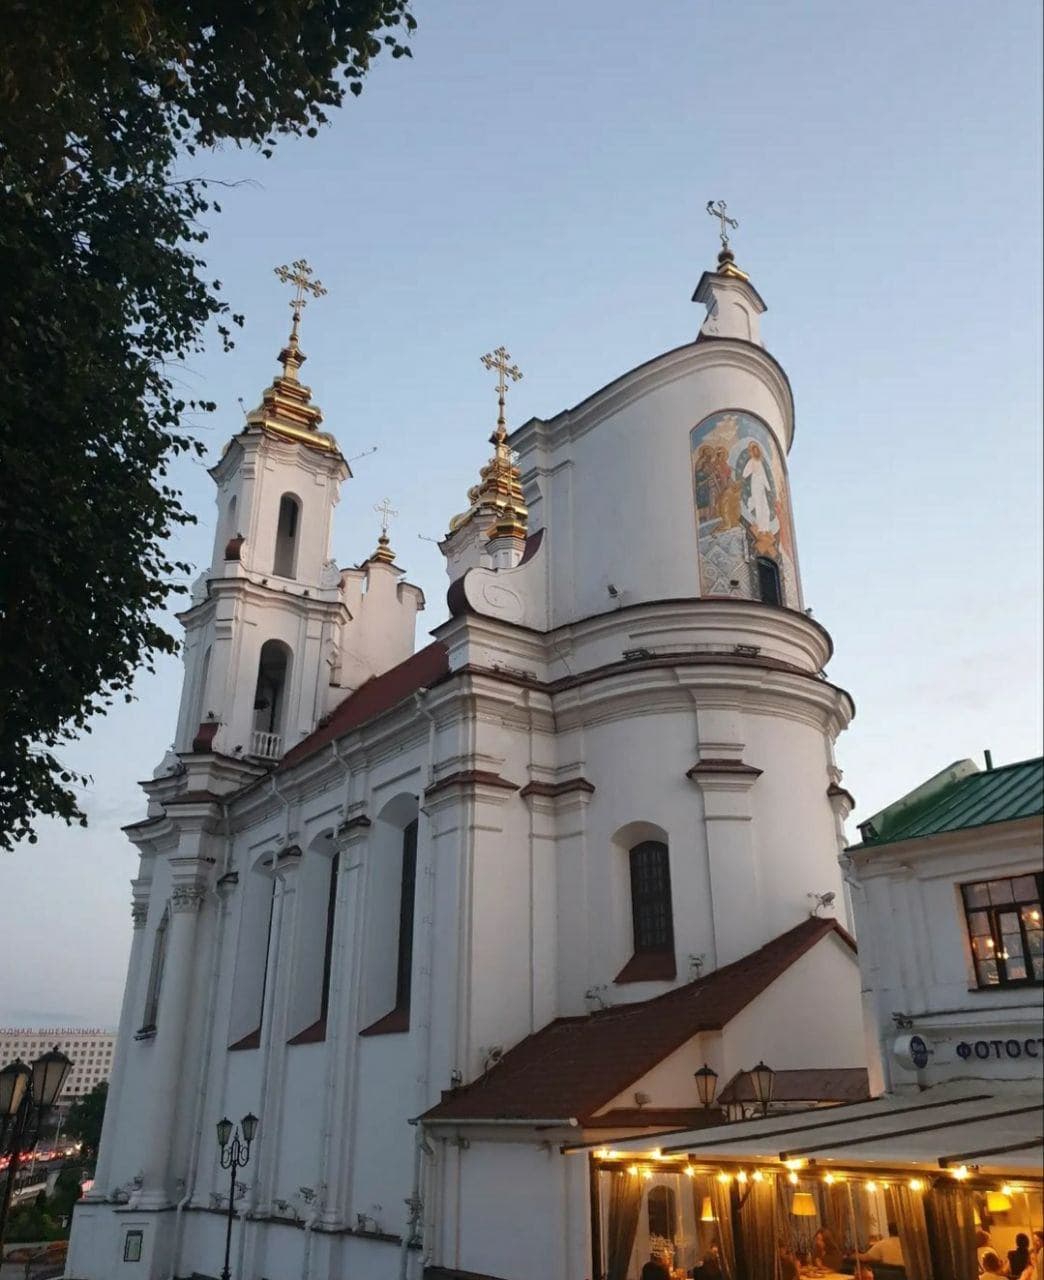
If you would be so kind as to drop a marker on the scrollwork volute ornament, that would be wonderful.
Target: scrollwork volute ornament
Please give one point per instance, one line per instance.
(139, 914)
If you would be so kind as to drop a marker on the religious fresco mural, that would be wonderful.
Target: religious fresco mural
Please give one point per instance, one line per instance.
(742, 506)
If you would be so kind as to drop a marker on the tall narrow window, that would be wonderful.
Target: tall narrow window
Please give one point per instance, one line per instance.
(159, 959)
(331, 912)
(651, 897)
(663, 1212)
(285, 564)
(769, 589)
(1006, 930)
(409, 883)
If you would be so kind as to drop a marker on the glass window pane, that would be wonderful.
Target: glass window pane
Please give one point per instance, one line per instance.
(978, 923)
(983, 948)
(1009, 921)
(1038, 966)
(1016, 970)
(1000, 891)
(1024, 888)
(977, 895)
(987, 971)
(1031, 916)
(1035, 942)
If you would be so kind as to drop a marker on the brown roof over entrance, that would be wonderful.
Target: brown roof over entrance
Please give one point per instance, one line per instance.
(809, 1084)
(426, 667)
(574, 1066)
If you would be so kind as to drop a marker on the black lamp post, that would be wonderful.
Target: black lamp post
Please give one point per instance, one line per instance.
(235, 1153)
(706, 1085)
(762, 1078)
(27, 1093)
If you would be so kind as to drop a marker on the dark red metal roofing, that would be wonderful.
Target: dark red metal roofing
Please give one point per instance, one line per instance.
(574, 1066)
(807, 1084)
(426, 667)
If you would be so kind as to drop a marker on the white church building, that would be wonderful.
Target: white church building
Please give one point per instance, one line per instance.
(433, 914)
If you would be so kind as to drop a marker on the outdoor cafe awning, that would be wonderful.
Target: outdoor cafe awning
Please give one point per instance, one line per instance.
(988, 1130)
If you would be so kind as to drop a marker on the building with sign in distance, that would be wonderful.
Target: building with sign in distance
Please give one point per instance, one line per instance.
(91, 1051)
(946, 888)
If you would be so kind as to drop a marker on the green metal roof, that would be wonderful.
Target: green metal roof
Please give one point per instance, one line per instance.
(973, 800)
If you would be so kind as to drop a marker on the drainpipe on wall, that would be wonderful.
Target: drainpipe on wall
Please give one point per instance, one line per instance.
(415, 1221)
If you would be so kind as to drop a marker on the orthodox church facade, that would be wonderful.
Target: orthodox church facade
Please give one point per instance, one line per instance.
(432, 913)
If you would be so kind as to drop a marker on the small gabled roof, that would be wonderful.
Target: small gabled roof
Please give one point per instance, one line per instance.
(424, 668)
(978, 799)
(804, 1084)
(575, 1066)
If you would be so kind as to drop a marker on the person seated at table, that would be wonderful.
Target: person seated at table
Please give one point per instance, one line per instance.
(826, 1252)
(991, 1264)
(710, 1267)
(1019, 1257)
(789, 1268)
(889, 1250)
(657, 1268)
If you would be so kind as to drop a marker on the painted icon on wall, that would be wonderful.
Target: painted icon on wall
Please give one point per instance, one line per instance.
(742, 505)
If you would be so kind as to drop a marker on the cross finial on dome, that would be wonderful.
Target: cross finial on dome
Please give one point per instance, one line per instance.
(499, 360)
(726, 258)
(384, 553)
(299, 274)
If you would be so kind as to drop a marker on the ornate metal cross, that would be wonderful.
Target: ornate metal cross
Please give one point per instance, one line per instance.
(718, 211)
(386, 512)
(499, 359)
(299, 274)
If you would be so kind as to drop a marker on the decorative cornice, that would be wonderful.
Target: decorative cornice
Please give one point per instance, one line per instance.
(470, 778)
(552, 790)
(711, 766)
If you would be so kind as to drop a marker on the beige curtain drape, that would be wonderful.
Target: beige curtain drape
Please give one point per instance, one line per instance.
(759, 1229)
(950, 1210)
(625, 1203)
(908, 1208)
(721, 1198)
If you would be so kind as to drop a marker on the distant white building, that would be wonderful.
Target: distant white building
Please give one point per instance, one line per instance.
(947, 889)
(430, 915)
(90, 1051)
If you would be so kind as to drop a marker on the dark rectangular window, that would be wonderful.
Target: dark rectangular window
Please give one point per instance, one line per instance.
(769, 588)
(159, 960)
(651, 897)
(409, 883)
(1006, 930)
(331, 912)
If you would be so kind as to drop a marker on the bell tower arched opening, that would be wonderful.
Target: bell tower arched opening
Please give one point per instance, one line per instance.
(285, 562)
(273, 677)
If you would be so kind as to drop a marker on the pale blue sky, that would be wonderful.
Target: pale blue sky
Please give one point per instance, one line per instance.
(536, 176)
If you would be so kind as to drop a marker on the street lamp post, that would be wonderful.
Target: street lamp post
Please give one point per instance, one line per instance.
(27, 1093)
(235, 1153)
(763, 1079)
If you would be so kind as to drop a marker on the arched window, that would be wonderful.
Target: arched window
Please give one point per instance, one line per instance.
(201, 691)
(273, 670)
(152, 994)
(285, 564)
(663, 1212)
(651, 898)
(230, 529)
(316, 906)
(770, 590)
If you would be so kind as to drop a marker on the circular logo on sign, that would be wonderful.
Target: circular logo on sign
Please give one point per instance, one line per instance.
(918, 1051)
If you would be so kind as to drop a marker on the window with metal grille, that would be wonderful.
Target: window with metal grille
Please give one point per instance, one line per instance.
(769, 588)
(1006, 930)
(651, 897)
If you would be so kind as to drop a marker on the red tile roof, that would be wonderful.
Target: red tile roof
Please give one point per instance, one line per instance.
(574, 1066)
(426, 667)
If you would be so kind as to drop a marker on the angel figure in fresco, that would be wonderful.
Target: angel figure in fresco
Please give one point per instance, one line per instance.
(760, 505)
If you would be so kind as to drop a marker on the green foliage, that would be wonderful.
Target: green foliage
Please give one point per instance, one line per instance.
(32, 1222)
(84, 1121)
(102, 298)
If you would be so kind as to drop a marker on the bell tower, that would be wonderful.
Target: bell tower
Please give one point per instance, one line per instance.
(263, 631)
